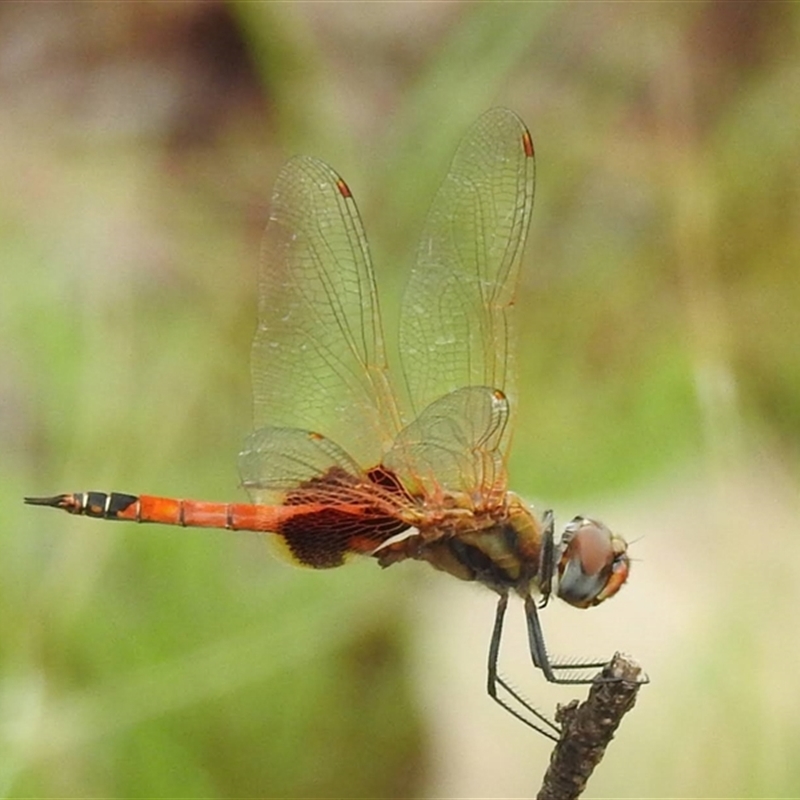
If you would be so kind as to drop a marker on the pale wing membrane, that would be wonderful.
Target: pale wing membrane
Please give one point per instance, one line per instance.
(318, 356)
(275, 461)
(456, 326)
(454, 445)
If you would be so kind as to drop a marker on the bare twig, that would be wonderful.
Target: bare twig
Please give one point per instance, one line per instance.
(589, 727)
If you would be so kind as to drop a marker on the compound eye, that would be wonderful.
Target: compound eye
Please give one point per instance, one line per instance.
(593, 563)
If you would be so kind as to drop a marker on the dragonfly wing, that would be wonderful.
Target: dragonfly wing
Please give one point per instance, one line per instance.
(331, 510)
(456, 317)
(274, 462)
(455, 445)
(318, 356)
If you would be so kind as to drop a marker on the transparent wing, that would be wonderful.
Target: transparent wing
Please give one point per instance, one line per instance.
(318, 357)
(277, 461)
(455, 445)
(456, 326)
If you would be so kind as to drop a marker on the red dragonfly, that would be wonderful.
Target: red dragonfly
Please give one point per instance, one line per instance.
(422, 480)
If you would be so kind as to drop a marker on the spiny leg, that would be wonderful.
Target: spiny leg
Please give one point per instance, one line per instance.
(542, 661)
(543, 724)
(547, 561)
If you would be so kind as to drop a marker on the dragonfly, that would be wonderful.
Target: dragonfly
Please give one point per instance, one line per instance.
(342, 463)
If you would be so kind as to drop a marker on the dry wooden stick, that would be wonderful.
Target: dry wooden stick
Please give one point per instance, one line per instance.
(586, 729)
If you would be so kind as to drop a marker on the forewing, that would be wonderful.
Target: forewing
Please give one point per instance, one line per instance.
(456, 326)
(318, 356)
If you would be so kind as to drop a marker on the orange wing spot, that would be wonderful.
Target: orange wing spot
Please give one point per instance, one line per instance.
(343, 188)
(527, 144)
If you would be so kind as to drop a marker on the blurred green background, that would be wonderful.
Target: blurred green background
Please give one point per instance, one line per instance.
(660, 391)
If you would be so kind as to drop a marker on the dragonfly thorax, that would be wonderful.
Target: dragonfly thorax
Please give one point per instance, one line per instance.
(501, 548)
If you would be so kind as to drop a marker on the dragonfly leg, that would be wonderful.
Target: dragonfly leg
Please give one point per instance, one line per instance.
(547, 560)
(539, 722)
(542, 661)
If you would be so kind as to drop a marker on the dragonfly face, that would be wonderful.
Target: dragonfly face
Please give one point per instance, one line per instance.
(337, 466)
(593, 563)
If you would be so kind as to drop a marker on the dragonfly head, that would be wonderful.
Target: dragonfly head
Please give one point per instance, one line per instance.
(592, 563)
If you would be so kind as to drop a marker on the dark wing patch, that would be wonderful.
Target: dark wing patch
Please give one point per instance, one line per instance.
(340, 515)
